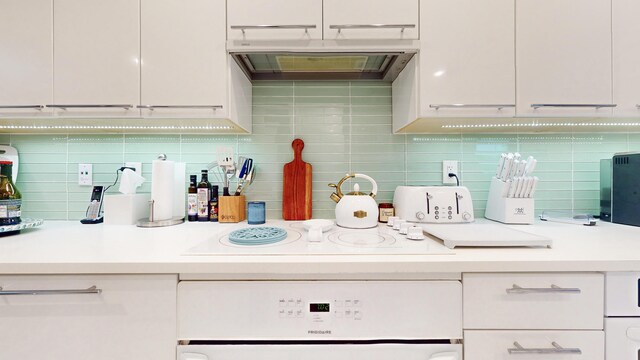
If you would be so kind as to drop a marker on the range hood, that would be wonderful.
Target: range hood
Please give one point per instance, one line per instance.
(322, 60)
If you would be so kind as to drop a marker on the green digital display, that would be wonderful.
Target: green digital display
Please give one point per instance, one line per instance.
(319, 307)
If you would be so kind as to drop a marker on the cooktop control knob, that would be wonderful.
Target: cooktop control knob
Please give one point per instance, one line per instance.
(420, 215)
(466, 216)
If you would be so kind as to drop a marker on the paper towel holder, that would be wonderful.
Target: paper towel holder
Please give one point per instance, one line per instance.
(151, 222)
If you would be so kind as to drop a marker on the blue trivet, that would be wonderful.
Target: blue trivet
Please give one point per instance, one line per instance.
(261, 235)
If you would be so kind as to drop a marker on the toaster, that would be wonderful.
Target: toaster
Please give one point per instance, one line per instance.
(433, 204)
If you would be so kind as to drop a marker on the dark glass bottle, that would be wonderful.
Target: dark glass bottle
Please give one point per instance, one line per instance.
(213, 204)
(204, 189)
(10, 197)
(192, 199)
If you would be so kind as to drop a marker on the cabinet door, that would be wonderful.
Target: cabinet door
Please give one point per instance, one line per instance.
(626, 57)
(133, 317)
(26, 55)
(286, 19)
(467, 65)
(184, 65)
(370, 19)
(563, 57)
(534, 345)
(97, 56)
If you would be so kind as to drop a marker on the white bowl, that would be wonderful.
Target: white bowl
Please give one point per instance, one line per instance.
(325, 224)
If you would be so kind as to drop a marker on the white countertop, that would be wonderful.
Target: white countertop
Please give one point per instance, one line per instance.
(64, 247)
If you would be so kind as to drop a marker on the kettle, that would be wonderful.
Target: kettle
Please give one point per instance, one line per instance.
(356, 210)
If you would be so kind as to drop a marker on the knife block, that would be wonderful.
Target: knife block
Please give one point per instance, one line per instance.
(508, 210)
(232, 209)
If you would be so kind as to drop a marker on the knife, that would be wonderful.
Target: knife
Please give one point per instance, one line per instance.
(503, 156)
(534, 186)
(531, 165)
(508, 163)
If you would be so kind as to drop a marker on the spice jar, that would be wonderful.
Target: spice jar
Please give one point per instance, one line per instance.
(384, 211)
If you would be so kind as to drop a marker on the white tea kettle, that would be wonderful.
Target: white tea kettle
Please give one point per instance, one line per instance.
(356, 210)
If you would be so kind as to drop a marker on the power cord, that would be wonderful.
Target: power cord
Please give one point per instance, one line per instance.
(455, 176)
(118, 171)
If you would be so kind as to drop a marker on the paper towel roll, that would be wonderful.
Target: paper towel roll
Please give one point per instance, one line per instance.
(162, 179)
(180, 190)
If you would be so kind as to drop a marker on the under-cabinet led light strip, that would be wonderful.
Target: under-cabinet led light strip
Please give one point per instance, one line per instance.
(96, 127)
(470, 126)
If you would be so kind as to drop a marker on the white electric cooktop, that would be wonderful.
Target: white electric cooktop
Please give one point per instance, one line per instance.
(380, 240)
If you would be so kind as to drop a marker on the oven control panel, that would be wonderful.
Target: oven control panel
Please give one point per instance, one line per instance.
(332, 310)
(296, 308)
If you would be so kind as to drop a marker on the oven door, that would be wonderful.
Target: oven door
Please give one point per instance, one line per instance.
(321, 352)
(622, 338)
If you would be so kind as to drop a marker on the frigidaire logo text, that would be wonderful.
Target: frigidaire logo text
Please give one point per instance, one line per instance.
(519, 211)
(319, 332)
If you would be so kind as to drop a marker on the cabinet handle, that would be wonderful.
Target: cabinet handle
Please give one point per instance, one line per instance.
(152, 107)
(471, 106)
(108, 106)
(556, 349)
(597, 106)
(373, 26)
(91, 290)
(515, 289)
(259, 27)
(35, 107)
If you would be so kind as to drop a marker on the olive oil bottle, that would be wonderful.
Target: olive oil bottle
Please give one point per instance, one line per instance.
(204, 191)
(10, 197)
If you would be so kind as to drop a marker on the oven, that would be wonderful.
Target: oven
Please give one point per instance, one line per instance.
(313, 320)
(622, 311)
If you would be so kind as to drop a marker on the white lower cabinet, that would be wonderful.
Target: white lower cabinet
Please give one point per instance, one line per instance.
(533, 316)
(512, 344)
(65, 317)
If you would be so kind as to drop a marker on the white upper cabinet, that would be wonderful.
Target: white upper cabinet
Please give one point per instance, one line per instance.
(26, 56)
(184, 65)
(371, 19)
(563, 58)
(626, 57)
(97, 57)
(466, 59)
(274, 19)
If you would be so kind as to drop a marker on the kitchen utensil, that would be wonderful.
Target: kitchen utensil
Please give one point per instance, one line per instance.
(433, 204)
(568, 217)
(242, 175)
(225, 161)
(324, 224)
(356, 210)
(249, 180)
(10, 153)
(296, 186)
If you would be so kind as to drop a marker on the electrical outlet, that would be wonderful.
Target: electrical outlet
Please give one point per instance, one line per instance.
(449, 166)
(136, 165)
(85, 174)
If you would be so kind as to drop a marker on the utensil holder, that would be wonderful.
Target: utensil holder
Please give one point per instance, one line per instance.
(232, 209)
(505, 209)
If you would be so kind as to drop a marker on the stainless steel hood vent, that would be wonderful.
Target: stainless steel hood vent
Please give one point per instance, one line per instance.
(289, 65)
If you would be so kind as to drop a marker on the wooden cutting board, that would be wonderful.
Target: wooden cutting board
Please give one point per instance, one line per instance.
(296, 191)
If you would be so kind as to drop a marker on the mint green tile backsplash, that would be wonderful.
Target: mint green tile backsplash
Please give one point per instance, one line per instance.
(346, 127)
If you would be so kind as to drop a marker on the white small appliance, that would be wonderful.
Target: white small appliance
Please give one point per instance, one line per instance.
(356, 210)
(622, 315)
(433, 204)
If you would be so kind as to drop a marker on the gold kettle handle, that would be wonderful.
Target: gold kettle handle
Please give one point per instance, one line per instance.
(337, 195)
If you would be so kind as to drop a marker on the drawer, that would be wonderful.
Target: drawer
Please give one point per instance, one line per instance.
(547, 345)
(533, 301)
(123, 317)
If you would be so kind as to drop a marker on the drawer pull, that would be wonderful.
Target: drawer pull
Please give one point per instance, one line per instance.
(553, 289)
(597, 106)
(91, 290)
(556, 349)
